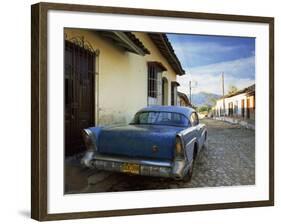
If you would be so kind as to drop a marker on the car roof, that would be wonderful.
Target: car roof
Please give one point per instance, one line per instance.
(174, 109)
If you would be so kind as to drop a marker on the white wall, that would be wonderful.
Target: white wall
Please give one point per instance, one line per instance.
(15, 112)
(237, 98)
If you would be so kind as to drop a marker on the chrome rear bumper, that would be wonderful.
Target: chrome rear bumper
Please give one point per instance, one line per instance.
(157, 168)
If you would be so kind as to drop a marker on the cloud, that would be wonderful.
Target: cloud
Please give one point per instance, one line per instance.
(198, 50)
(199, 47)
(202, 53)
(240, 73)
(240, 68)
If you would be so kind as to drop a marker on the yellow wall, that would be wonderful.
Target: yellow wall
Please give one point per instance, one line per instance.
(155, 55)
(121, 85)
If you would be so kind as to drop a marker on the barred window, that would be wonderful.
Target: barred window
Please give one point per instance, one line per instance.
(152, 81)
(154, 85)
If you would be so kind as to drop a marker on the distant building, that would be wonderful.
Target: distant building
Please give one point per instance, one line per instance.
(183, 100)
(240, 104)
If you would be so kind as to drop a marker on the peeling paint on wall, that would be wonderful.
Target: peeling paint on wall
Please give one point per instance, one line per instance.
(112, 117)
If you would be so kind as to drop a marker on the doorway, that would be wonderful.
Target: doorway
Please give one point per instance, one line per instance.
(79, 98)
(164, 91)
(243, 108)
(248, 108)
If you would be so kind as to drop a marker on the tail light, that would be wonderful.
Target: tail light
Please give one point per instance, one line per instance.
(179, 151)
(87, 137)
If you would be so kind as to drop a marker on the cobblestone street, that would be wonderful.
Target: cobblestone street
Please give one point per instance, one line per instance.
(228, 161)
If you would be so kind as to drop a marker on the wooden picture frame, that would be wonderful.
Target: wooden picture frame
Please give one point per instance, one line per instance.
(39, 108)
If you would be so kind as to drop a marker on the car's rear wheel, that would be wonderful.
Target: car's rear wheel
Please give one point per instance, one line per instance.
(205, 145)
(189, 173)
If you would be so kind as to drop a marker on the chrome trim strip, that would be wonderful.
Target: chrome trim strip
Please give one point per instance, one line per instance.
(186, 131)
(130, 160)
(203, 132)
(190, 142)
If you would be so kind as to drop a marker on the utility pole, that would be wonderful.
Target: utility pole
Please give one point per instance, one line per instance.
(222, 79)
(192, 84)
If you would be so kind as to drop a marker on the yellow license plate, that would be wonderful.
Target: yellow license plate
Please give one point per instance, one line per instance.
(130, 168)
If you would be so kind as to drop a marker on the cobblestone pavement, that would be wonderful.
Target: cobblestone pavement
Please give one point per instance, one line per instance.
(229, 160)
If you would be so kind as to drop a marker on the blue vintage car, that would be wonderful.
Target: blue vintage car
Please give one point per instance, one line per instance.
(160, 141)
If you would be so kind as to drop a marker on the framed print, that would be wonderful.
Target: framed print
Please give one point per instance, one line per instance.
(138, 111)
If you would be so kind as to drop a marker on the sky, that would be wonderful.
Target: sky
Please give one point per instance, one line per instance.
(204, 58)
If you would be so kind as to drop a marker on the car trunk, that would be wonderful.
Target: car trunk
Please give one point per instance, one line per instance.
(139, 141)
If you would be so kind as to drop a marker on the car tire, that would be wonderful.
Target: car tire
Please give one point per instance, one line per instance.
(189, 173)
(205, 145)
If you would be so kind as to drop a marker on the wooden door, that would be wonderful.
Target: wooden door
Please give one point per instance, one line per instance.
(243, 108)
(230, 109)
(248, 108)
(79, 96)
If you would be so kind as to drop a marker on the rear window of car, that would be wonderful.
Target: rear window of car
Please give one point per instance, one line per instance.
(161, 118)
